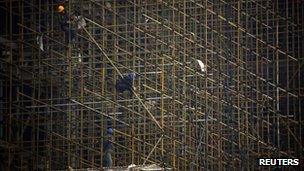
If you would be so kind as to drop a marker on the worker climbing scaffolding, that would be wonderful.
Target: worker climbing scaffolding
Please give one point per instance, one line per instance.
(65, 24)
(126, 83)
(70, 24)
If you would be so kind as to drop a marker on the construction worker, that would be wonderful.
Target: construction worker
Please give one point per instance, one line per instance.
(65, 24)
(108, 148)
(78, 20)
(126, 83)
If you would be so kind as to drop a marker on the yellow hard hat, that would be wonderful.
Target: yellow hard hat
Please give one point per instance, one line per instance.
(60, 8)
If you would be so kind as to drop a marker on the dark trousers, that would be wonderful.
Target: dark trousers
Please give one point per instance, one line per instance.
(70, 35)
(122, 86)
(107, 159)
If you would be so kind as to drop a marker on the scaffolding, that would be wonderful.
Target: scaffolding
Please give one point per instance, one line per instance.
(58, 101)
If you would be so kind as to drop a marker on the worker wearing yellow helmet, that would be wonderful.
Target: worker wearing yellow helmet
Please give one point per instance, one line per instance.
(65, 21)
(70, 23)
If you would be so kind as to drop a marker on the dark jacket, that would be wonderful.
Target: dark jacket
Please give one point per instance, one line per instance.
(125, 83)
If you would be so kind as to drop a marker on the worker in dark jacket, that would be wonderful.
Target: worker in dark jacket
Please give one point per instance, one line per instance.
(65, 24)
(126, 83)
(108, 148)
